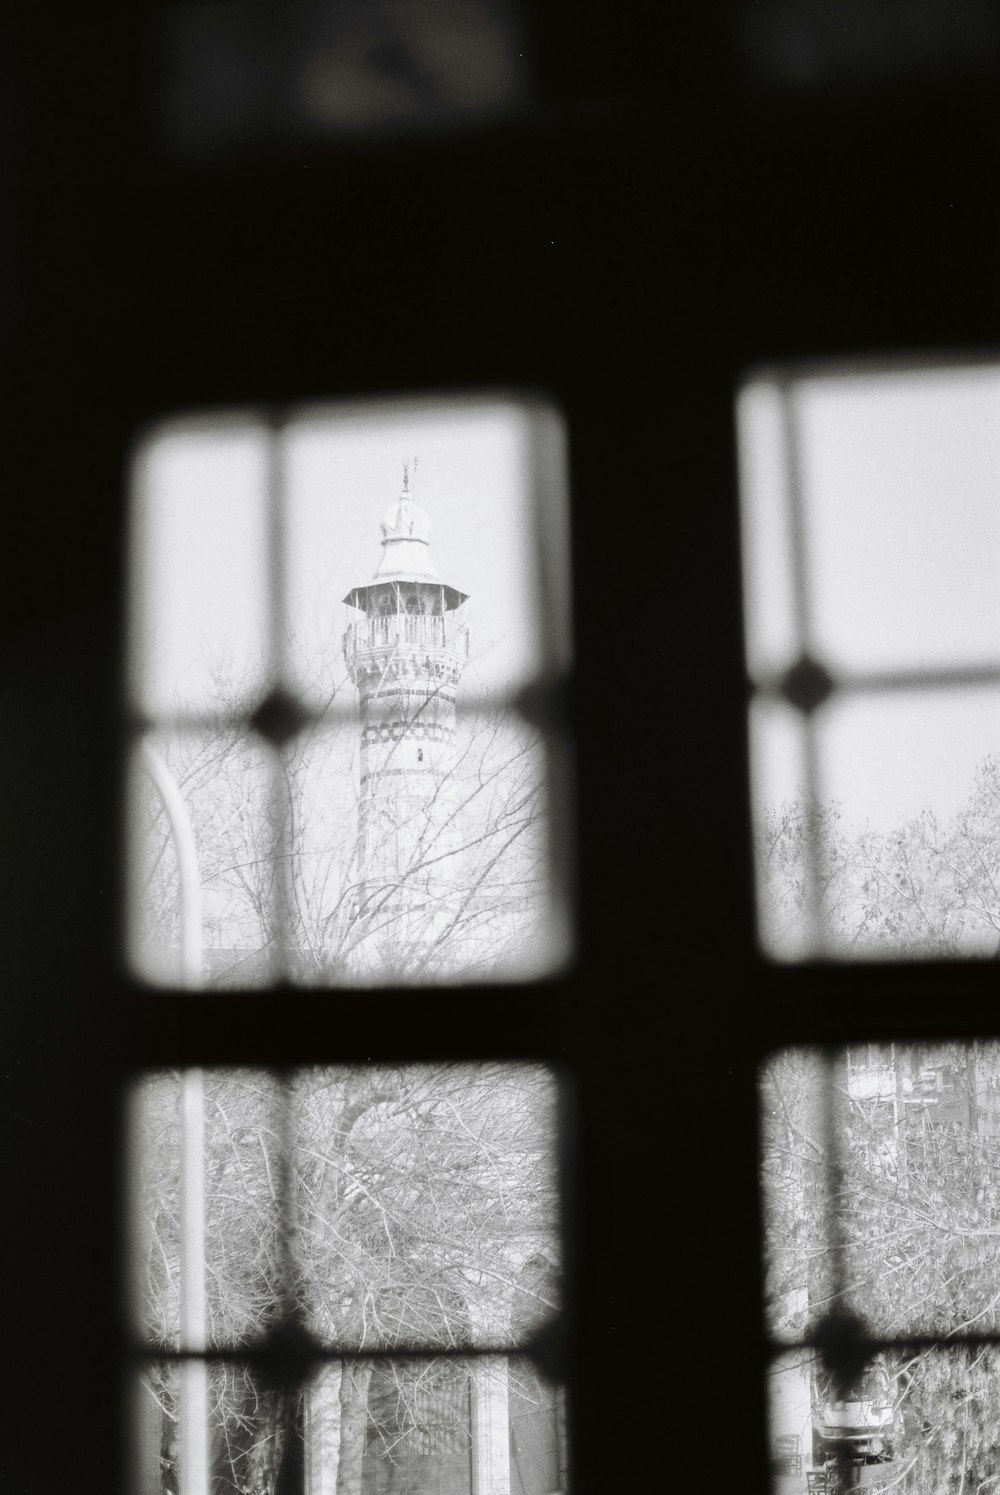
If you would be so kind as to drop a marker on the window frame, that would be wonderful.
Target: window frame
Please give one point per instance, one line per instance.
(816, 222)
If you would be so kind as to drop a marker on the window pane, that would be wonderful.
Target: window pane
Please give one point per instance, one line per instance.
(872, 563)
(792, 1441)
(922, 1421)
(233, 1161)
(197, 542)
(369, 782)
(214, 792)
(784, 840)
(900, 478)
(432, 1195)
(904, 838)
(473, 527)
(432, 1426)
(897, 477)
(800, 1281)
(236, 1433)
(768, 557)
(894, 1214)
(381, 1207)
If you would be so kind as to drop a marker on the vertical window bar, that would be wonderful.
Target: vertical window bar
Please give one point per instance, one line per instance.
(795, 515)
(193, 1400)
(144, 1421)
(282, 866)
(278, 672)
(490, 1426)
(143, 1413)
(550, 549)
(277, 552)
(287, 1209)
(189, 876)
(836, 1104)
(815, 857)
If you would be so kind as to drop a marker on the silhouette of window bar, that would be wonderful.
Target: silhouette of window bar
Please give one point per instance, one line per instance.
(869, 573)
(270, 706)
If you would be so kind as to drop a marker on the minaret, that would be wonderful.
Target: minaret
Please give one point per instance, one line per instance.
(405, 654)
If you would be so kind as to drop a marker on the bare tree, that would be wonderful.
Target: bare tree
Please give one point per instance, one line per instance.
(284, 874)
(419, 1197)
(903, 1230)
(924, 888)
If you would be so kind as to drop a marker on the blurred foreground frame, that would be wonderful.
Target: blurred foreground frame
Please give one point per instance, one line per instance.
(238, 78)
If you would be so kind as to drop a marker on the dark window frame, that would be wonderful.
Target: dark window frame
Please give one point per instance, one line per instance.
(807, 224)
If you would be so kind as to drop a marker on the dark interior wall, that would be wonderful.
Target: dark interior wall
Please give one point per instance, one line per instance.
(658, 222)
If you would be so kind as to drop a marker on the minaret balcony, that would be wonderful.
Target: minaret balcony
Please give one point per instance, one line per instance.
(429, 633)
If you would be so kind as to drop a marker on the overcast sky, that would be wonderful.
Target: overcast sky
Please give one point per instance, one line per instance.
(901, 477)
(200, 551)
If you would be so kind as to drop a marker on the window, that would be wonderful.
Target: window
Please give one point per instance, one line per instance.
(290, 1233)
(314, 799)
(299, 646)
(879, 1264)
(872, 546)
(872, 552)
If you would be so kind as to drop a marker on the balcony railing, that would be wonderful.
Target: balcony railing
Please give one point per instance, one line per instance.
(408, 630)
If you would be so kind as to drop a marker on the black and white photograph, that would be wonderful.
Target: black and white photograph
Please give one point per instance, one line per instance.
(500, 644)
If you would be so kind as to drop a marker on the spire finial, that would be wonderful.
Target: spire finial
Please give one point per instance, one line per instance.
(406, 477)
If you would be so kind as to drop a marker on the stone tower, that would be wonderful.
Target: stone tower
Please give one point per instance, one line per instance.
(405, 653)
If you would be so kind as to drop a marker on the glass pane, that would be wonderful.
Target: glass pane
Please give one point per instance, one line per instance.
(370, 1426)
(343, 859)
(772, 640)
(895, 1216)
(898, 475)
(900, 485)
(799, 1275)
(427, 1204)
(792, 1453)
(785, 831)
(434, 1427)
(404, 828)
(207, 1221)
(205, 823)
(230, 1431)
(440, 497)
(904, 837)
(913, 780)
(920, 1423)
(197, 553)
(918, 1208)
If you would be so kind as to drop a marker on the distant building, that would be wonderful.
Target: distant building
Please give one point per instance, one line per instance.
(913, 1101)
(406, 649)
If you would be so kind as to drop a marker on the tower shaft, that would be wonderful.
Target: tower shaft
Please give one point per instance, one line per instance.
(405, 654)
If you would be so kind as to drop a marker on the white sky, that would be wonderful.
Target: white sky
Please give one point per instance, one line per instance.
(198, 536)
(901, 478)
